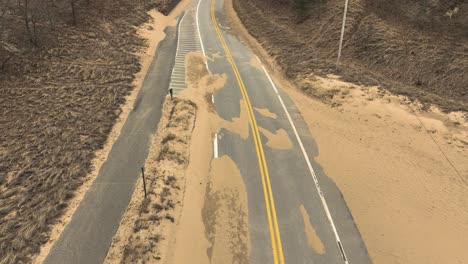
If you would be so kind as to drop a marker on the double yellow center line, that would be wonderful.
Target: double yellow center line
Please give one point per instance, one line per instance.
(277, 249)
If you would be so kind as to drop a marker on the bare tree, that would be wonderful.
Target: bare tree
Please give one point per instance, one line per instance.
(34, 31)
(23, 5)
(72, 2)
(4, 62)
(7, 4)
(33, 13)
(48, 6)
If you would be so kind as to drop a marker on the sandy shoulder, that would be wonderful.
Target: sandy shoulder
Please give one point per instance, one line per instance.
(408, 201)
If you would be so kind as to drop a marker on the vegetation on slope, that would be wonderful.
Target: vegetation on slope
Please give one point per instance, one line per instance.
(65, 68)
(414, 48)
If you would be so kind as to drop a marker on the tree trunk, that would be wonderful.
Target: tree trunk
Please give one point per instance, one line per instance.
(5, 8)
(26, 19)
(73, 11)
(4, 62)
(49, 16)
(33, 21)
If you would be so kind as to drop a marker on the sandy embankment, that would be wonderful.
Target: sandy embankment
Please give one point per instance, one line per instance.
(153, 33)
(402, 171)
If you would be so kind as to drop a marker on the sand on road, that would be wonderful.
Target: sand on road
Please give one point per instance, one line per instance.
(402, 168)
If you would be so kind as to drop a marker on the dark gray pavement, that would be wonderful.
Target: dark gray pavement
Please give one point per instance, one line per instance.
(291, 181)
(86, 239)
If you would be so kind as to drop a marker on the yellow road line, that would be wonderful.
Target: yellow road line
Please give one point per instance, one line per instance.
(268, 194)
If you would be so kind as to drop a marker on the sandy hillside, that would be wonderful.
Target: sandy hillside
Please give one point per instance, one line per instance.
(402, 170)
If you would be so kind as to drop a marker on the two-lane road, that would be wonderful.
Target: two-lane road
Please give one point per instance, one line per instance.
(282, 184)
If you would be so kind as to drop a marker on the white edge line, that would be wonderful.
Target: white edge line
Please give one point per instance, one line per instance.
(274, 87)
(215, 140)
(311, 170)
(199, 35)
(215, 146)
(258, 59)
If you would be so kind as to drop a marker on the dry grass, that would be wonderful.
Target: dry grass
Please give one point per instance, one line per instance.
(58, 104)
(425, 63)
(148, 217)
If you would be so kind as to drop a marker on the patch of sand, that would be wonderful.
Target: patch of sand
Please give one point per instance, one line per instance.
(138, 238)
(189, 244)
(153, 33)
(239, 125)
(225, 214)
(278, 140)
(408, 201)
(402, 171)
(194, 239)
(313, 239)
(256, 63)
(215, 56)
(266, 112)
(179, 8)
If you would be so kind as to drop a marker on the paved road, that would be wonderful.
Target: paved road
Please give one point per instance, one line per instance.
(86, 239)
(291, 180)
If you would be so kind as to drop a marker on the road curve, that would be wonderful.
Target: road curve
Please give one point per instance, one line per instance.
(282, 185)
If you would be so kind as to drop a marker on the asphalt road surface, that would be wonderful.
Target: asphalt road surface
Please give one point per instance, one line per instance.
(290, 177)
(278, 182)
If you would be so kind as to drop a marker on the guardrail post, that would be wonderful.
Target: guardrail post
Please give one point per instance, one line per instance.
(144, 181)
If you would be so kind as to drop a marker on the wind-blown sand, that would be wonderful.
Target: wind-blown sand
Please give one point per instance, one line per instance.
(205, 204)
(313, 239)
(409, 203)
(403, 171)
(214, 199)
(266, 112)
(225, 213)
(277, 140)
